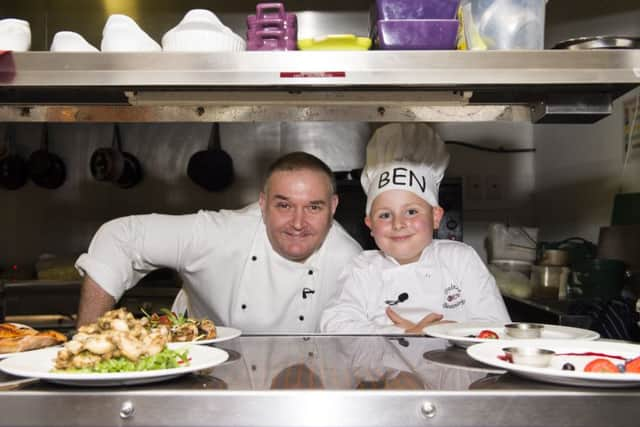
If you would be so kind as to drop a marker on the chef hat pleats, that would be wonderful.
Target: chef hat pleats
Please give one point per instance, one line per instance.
(404, 156)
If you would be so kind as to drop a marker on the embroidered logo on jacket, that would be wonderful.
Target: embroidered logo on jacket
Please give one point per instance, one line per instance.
(453, 297)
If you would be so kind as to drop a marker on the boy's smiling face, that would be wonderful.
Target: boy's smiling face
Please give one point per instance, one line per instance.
(402, 224)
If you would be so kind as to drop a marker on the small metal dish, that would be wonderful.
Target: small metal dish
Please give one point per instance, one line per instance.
(524, 330)
(529, 356)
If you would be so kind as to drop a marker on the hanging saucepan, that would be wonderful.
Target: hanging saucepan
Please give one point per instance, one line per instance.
(114, 165)
(211, 169)
(46, 169)
(13, 168)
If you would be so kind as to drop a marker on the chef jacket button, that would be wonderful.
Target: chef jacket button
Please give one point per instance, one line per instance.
(254, 258)
(301, 318)
(310, 272)
(253, 367)
(243, 306)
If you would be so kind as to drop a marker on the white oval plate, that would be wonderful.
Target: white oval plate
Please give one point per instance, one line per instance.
(458, 333)
(223, 333)
(39, 363)
(488, 353)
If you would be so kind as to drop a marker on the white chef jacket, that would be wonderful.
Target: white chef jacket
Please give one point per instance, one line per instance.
(449, 278)
(230, 271)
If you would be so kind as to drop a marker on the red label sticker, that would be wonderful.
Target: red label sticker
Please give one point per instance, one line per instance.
(312, 74)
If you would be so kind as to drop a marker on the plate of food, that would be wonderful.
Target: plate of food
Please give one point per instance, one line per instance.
(187, 357)
(465, 334)
(187, 329)
(16, 338)
(581, 363)
(116, 350)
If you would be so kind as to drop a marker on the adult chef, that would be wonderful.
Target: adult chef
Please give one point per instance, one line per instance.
(271, 266)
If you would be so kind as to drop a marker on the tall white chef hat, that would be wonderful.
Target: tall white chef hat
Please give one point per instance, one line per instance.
(404, 156)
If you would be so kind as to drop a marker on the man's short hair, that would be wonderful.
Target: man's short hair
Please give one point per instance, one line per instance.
(299, 160)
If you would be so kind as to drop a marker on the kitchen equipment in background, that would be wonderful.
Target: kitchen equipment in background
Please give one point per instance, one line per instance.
(13, 168)
(621, 242)
(512, 277)
(597, 278)
(577, 248)
(549, 282)
(599, 42)
(503, 24)
(414, 24)
(46, 169)
(450, 198)
(114, 165)
(626, 209)
(508, 242)
(212, 169)
(201, 31)
(554, 257)
(15, 35)
(272, 28)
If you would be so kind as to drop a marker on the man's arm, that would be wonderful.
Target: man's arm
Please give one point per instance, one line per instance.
(94, 302)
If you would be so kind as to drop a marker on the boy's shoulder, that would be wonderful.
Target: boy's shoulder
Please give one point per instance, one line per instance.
(451, 245)
(367, 259)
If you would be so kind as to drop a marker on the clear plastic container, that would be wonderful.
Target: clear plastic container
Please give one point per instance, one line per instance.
(503, 24)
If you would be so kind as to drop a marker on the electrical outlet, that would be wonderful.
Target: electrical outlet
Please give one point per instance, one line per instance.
(474, 187)
(493, 188)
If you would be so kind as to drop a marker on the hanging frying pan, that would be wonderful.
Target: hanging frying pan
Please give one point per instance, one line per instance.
(46, 169)
(13, 168)
(114, 165)
(212, 168)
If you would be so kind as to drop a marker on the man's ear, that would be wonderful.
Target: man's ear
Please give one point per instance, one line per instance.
(262, 201)
(438, 213)
(334, 204)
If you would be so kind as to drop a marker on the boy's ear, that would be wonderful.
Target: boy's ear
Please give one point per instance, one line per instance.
(367, 221)
(438, 213)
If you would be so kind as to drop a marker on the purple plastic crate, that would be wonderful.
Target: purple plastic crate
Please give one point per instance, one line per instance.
(271, 11)
(416, 9)
(417, 34)
(270, 40)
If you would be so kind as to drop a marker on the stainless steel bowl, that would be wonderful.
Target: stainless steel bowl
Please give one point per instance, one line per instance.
(524, 330)
(529, 356)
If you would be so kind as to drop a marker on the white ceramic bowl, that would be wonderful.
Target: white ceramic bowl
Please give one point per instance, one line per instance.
(122, 34)
(68, 41)
(15, 35)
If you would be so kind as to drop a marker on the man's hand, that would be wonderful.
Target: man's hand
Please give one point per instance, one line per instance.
(410, 327)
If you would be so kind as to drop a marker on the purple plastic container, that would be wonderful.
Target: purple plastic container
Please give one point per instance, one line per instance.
(270, 40)
(271, 11)
(416, 9)
(417, 34)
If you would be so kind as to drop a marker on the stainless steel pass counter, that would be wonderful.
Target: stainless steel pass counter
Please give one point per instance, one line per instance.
(325, 381)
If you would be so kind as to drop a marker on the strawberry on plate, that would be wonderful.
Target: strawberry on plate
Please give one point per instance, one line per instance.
(488, 334)
(633, 366)
(601, 366)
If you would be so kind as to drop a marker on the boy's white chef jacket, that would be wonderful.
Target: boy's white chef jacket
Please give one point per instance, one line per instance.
(229, 269)
(449, 278)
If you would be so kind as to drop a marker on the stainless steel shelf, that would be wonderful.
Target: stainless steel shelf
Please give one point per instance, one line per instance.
(372, 85)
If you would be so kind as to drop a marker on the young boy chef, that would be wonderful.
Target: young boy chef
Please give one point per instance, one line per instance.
(412, 280)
